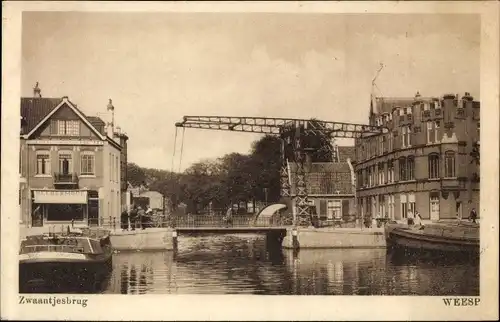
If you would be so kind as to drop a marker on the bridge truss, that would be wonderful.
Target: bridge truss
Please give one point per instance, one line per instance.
(293, 148)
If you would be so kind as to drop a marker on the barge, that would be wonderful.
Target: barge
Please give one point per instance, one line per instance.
(71, 262)
(457, 238)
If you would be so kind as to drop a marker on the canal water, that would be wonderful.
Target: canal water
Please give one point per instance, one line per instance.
(241, 264)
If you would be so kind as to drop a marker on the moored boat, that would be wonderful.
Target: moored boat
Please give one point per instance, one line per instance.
(77, 261)
(439, 237)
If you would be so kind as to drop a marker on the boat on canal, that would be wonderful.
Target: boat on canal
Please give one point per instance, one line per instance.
(457, 238)
(65, 262)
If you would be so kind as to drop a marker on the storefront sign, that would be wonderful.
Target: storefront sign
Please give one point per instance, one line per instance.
(66, 142)
(61, 196)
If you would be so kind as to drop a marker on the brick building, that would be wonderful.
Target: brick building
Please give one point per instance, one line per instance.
(424, 163)
(330, 187)
(69, 164)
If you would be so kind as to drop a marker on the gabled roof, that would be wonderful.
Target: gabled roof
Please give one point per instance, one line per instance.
(35, 111)
(325, 178)
(98, 123)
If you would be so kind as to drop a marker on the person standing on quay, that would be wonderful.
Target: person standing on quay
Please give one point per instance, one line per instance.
(133, 217)
(142, 217)
(124, 218)
(473, 215)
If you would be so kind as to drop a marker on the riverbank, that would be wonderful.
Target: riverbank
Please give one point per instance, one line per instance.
(300, 238)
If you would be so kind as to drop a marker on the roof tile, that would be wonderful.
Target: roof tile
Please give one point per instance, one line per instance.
(325, 178)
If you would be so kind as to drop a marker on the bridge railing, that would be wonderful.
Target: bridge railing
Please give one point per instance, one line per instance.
(189, 221)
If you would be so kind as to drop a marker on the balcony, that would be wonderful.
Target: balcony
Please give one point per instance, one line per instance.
(460, 112)
(61, 178)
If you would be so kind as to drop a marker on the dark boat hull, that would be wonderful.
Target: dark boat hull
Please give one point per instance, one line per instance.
(64, 276)
(414, 241)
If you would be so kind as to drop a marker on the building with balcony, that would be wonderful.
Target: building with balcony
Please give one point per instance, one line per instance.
(70, 164)
(427, 162)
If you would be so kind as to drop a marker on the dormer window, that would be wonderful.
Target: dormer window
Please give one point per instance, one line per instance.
(65, 127)
(408, 110)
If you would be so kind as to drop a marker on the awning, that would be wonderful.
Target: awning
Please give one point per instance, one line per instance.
(61, 196)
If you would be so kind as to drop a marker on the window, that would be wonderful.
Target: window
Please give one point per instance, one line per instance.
(433, 162)
(65, 164)
(406, 140)
(430, 132)
(411, 203)
(110, 167)
(381, 144)
(402, 169)
(437, 124)
(334, 209)
(410, 168)
(401, 111)
(87, 164)
(65, 127)
(117, 170)
(369, 176)
(390, 137)
(43, 163)
(390, 171)
(433, 132)
(381, 173)
(449, 164)
(375, 175)
(381, 206)
(390, 209)
(404, 206)
(407, 204)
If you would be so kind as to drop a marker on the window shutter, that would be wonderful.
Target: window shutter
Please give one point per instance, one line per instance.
(322, 207)
(345, 208)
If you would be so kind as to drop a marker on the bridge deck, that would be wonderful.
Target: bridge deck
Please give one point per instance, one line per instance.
(228, 229)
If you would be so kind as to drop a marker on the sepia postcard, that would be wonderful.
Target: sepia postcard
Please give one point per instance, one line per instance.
(250, 160)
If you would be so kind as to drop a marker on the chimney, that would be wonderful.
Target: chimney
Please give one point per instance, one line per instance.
(111, 125)
(37, 92)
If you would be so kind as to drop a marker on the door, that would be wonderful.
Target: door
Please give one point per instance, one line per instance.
(93, 212)
(434, 205)
(37, 216)
(459, 209)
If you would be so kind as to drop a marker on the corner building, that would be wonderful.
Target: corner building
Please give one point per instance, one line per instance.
(69, 165)
(428, 161)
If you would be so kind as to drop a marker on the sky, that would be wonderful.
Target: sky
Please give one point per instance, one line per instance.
(158, 67)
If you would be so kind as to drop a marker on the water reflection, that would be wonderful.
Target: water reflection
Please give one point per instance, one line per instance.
(241, 264)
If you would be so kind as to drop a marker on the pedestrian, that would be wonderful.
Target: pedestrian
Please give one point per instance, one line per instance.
(418, 219)
(473, 215)
(124, 218)
(410, 218)
(133, 217)
(142, 217)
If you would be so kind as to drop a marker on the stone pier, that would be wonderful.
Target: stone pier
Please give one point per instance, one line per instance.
(301, 238)
(147, 239)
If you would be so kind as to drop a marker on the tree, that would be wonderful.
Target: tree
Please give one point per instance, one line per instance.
(265, 168)
(135, 174)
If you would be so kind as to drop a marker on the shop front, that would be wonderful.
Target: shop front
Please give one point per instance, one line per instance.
(59, 206)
